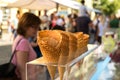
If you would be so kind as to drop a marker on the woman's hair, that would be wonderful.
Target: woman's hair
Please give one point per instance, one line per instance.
(27, 20)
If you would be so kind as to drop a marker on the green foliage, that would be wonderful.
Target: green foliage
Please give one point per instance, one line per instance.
(108, 6)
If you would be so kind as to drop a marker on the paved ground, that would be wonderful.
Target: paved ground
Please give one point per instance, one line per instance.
(5, 48)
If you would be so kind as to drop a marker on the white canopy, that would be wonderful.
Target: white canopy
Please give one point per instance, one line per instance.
(3, 3)
(43, 4)
(46, 4)
(33, 4)
(68, 3)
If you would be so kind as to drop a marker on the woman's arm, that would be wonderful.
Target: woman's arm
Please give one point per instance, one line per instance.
(22, 58)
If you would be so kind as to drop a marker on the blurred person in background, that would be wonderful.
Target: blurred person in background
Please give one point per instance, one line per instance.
(71, 23)
(0, 30)
(1, 15)
(102, 26)
(10, 28)
(82, 24)
(53, 20)
(27, 27)
(74, 17)
(63, 18)
(58, 23)
(83, 10)
(45, 21)
(93, 30)
(15, 23)
(83, 21)
(114, 21)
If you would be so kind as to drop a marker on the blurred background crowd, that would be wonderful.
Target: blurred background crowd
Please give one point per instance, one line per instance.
(94, 22)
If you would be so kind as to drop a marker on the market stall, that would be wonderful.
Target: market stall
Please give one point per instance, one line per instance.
(93, 64)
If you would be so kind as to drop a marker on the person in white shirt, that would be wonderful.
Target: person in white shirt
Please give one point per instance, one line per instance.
(45, 21)
(102, 26)
(59, 23)
(83, 9)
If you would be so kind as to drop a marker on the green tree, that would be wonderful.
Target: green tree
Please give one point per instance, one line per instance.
(108, 6)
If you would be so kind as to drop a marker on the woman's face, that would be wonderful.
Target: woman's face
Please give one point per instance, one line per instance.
(32, 31)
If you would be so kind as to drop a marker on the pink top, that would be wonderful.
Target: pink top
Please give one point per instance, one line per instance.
(23, 45)
(53, 23)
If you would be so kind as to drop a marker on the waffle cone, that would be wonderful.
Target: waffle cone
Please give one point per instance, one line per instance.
(61, 72)
(79, 36)
(86, 36)
(50, 34)
(72, 46)
(48, 51)
(63, 53)
(86, 39)
(49, 58)
(49, 43)
(57, 46)
(52, 71)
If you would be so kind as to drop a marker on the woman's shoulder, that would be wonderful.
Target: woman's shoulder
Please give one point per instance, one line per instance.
(21, 43)
(20, 40)
(23, 40)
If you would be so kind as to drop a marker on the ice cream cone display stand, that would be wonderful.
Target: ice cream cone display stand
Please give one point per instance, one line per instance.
(62, 51)
(72, 70)
(68, 56)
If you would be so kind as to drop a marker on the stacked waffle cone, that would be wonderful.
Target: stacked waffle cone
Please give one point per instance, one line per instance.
(72, 46)
(85, 41)
(79, 36)
(82, 41)
(48, 42)
(60, 47)
(63, 54)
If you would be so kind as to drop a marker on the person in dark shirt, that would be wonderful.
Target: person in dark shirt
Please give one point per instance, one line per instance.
(82, 24)
(114, 22)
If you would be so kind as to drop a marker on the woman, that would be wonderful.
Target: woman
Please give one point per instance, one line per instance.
(27, 27)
